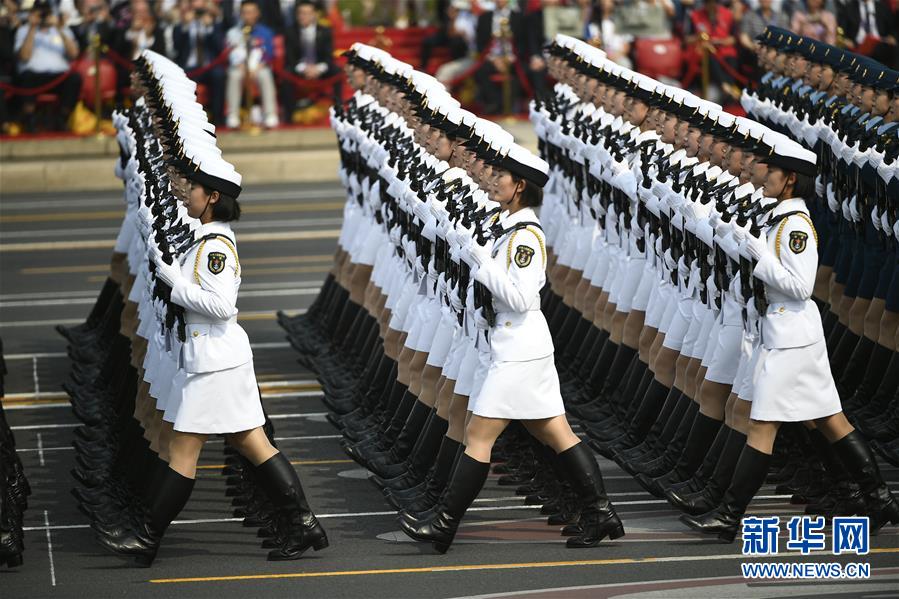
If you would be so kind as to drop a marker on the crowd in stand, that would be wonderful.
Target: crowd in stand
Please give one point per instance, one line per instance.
(273, 48)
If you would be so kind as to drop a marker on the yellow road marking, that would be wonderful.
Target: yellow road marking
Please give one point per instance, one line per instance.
(99, 244)
(55, 270)
(459, 568)
(295, 463)
(118, 214)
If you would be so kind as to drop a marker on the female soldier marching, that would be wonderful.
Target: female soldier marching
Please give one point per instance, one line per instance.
(792, 381)
(218, 390)
(522, 382)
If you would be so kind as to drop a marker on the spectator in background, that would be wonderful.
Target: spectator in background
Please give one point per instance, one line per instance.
(712, 29)
(308, 53)
(500, 41)
(9, 21)
(198, 40)
(94, 19)
(455, 33)
(603, 32)
(270, 13)
(756, 20)
(815, 22)
(45, 48)
(252, 50)
(754, 23)
(861, 19)
(144, 33)
(461, 24)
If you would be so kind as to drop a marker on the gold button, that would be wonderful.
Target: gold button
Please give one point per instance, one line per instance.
(196, 333)
(781, 309)
(508, 323)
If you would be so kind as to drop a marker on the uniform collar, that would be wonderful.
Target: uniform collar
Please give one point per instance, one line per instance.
(523, 215)
(791, 205)
(214, 227)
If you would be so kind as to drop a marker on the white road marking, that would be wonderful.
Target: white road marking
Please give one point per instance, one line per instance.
(40, 449)
(50, 548)
(34, 376)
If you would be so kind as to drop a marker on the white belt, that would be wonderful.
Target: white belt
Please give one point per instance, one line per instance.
(201, 319)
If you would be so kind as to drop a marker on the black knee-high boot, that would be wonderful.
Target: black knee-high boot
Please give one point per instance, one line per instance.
(716, 484)
(749, 475)
(463, 489)
(280, 481)
(598, 518)
(171, 495)
(856, 455)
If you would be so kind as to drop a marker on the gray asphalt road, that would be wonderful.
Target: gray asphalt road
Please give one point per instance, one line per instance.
(54, 254)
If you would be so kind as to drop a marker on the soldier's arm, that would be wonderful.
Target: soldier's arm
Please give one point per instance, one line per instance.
(793, 271)
(211, 290)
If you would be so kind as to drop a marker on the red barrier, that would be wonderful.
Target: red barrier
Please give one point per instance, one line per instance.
(35, 91)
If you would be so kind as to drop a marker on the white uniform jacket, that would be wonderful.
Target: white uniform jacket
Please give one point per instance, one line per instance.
(788, 270)
(515, 276)
(208, 292)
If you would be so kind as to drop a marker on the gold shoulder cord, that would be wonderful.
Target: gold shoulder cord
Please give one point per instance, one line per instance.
(512, 238)
(783, 224)
(227, 242)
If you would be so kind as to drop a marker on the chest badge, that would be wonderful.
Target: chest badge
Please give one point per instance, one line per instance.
(216, 262)
(523, 255)
(798, 241)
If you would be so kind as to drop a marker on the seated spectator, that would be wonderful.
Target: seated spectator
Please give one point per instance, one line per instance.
(712, 29)
(866, 22)
(308, 53)
(603, 32)
(45, 48)
(198, 40)
(270, 13)
(500, 41)
(753, 24)
(815, 22)
(756, 20)
(455, 33)
(252, 50)
(94, 18)
(461, 25)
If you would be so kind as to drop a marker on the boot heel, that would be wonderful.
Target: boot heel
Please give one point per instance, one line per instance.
(441, 547)
(14, 561)
(144, 561)
(891, 513)
(320, 544)
(727, 535)
(617, 532)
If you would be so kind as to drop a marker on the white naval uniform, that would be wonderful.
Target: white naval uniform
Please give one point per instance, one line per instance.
(218, 392)
(521, 382)
(792, 380)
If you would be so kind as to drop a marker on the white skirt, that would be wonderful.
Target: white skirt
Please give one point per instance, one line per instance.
(520, 391)
(795, 384)
(225, 401)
